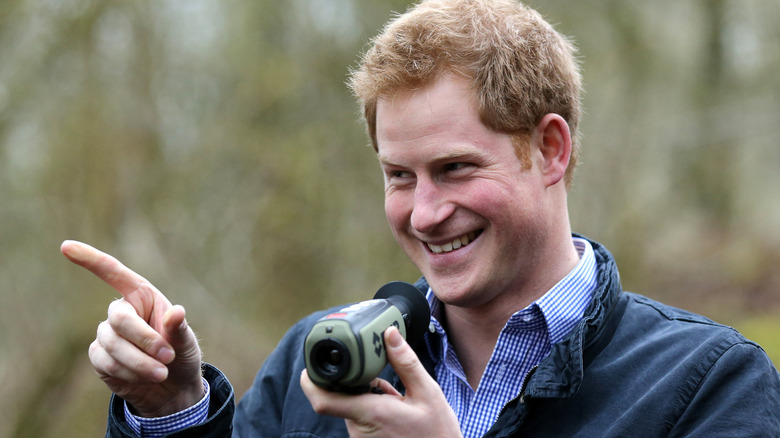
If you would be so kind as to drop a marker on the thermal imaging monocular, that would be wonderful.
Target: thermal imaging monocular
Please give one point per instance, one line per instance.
(345, 350)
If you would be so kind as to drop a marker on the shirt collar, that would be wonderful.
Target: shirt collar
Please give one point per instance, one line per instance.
(562, 306)
(565, 303)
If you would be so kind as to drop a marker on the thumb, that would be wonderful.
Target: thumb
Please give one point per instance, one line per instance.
(178, 333)
(406, 363)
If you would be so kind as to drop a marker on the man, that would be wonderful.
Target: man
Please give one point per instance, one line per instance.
(472, 107)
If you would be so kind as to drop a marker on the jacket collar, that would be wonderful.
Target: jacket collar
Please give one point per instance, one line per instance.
(560, 374)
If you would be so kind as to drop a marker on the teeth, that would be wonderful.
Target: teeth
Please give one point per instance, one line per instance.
(455, 244)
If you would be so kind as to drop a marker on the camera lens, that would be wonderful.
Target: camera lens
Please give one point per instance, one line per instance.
(334, 358)
(330, 359)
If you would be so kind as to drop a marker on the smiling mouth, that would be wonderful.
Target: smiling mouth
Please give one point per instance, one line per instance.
(455, 244)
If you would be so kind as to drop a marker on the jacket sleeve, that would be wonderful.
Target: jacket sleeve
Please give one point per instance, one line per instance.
(218, 424)
(738, 395)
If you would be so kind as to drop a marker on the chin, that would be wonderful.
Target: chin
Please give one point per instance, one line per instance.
(454, 295)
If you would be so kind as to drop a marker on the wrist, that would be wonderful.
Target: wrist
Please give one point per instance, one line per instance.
(178, 401)
(191, 416)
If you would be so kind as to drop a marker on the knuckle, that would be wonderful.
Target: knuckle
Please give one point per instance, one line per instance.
(104, 332)
(408, 360)
(146, 287)
(139, 364)
(94, 347)
(372, 413)
(111, 367)
(147, 344)
(320, 405)
(118, 318)
(94, 352)
(117, 309)
(112, 306)
(100, 328)
(317, 405)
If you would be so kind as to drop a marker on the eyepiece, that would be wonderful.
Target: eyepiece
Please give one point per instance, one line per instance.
(412, 304)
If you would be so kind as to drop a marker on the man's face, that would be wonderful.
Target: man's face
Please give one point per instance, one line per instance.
(456, 196)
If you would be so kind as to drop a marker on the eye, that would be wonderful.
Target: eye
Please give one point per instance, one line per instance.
(454, 167)
(398, 174)
(397, 177)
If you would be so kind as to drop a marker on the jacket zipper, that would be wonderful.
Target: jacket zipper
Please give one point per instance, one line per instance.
(520, 396)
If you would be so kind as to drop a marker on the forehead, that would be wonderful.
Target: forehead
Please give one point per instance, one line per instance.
(437, 122)
(447, 104)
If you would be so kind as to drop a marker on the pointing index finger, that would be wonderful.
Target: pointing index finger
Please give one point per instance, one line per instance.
(107, 268)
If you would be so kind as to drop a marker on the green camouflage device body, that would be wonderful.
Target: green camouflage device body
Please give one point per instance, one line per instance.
(345, 350)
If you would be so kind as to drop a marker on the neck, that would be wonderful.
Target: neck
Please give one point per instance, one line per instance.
(473, 336)
(473, 331)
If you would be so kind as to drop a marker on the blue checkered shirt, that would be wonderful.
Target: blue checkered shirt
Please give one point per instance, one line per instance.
(525, 340)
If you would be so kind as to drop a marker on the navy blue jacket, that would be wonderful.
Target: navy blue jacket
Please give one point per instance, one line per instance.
(631, 367)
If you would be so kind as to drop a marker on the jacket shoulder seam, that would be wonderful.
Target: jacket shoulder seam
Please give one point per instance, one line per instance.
(672, 313)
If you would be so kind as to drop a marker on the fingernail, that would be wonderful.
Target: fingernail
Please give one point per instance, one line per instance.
(394, 338)
(375, 390)
(165, 355)
(160, 374)
(72, 249)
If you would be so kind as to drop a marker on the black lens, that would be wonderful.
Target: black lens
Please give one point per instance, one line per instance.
(333, 358)
(330, 359)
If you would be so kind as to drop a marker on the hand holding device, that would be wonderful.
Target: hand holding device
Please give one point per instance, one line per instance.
(344, 351)
(422, 411)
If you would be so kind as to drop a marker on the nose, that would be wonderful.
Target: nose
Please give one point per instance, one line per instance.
(431, 206)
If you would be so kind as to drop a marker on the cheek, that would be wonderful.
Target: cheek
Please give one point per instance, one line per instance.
(395, 211)
(508, 212)
(489, 199)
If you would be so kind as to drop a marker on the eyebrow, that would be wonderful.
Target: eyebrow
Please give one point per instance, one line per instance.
(466, 153)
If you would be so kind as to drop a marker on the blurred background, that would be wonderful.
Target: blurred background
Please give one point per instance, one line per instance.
(214, 148)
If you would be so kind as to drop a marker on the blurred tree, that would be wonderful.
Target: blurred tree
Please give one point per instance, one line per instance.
(214, 148)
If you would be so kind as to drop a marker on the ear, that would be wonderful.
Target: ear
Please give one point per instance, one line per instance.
(554, 142)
